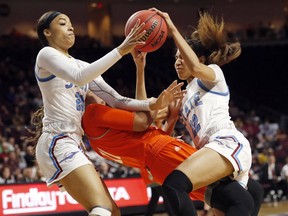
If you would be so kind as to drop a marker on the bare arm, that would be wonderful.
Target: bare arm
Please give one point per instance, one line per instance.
(140, 93)
(197, 69)
(173, 109)
(140, 62)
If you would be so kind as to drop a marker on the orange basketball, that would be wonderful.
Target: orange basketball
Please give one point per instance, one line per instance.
(155, 26)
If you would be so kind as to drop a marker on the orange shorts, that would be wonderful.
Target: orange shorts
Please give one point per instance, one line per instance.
(170, 156)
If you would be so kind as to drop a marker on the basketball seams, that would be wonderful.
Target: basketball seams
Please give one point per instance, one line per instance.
(161, 20)
(156, 29)
(131, 19)
(149, 18)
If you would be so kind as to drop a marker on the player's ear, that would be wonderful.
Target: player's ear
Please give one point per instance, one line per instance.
(46, 32)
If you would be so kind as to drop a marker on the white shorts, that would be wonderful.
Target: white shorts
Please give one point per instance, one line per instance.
(236, 148)
(58, 154)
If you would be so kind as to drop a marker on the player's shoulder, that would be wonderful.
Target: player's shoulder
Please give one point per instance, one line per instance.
(218, 72)
(216, 68)
(47, 51)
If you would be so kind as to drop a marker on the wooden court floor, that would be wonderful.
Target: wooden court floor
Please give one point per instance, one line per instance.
(267, 209)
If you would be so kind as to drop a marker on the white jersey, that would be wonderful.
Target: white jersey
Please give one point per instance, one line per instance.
(205, 108)
(62, 81)
(205, 113)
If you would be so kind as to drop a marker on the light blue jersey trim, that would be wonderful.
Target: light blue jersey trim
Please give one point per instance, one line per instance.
(45, 79)
(53, 158)
(236, 151)
(201, 85)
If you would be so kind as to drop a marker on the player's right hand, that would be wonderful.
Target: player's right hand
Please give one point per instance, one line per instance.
(132, 39)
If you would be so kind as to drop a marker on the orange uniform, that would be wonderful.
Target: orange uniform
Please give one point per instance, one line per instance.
(110, 134)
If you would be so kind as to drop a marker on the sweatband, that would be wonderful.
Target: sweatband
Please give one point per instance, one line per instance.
(49, 19)
(99, 211)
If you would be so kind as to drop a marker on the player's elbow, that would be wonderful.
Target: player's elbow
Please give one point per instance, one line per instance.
(79, 82)
(142, 121)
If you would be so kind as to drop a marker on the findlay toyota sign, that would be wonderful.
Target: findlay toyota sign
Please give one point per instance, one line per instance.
(29, 199)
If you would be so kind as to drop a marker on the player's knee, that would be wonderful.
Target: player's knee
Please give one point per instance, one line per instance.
(246, 203)
(177, 180)
(100, 211)
(256, 190)
(230, 196)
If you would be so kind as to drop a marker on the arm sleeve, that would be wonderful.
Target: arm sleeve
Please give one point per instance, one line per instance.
(98, 115)
(58, 64)
(113, 99)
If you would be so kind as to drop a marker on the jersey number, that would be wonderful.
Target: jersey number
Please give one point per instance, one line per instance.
(79, 102)
(195, 126)
(192, 102)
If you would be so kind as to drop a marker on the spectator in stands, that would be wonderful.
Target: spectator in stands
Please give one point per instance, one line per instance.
(281, 145)
(19, 175)
(39, 176)
(4, 154)
(284, 176)
(29, 175)
(251, 127)
(21, 157)
(269, 129)
(29, 156)
(6, 176)
(12, 161)
(270, 178)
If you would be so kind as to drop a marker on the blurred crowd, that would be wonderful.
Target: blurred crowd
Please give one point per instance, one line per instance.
(261, 31)
(20, 97)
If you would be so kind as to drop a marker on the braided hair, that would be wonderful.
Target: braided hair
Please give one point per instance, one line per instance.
(37, 125)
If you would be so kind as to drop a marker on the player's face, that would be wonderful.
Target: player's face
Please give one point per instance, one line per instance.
(181, 68)
(61, 33)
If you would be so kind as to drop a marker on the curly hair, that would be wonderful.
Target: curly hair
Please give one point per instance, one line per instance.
(37, 125)
(209, 40)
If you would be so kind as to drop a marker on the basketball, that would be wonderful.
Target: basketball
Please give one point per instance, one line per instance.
(155, 26)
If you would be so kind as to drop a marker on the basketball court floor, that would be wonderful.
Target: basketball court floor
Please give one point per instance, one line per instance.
(267, 209)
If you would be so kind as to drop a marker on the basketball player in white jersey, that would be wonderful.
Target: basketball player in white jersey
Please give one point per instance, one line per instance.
(223, 150)
(63, 82)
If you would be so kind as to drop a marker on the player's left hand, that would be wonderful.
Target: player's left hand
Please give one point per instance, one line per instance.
(173, 92)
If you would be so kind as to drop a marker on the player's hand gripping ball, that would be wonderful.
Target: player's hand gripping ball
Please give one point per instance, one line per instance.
(155, 26)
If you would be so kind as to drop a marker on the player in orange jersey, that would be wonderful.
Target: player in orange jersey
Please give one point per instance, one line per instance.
(111, 135)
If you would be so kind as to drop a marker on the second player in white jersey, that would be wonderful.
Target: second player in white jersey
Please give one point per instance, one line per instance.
(223, 150)
(205, 107)
(205, 113)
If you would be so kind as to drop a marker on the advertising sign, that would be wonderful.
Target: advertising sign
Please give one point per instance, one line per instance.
(29, 199)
